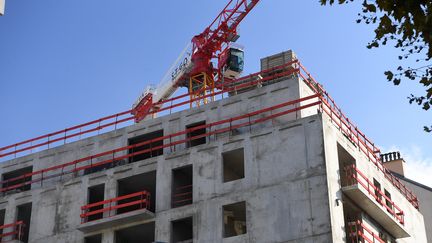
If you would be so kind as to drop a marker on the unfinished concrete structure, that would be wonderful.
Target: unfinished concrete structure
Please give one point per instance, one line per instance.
(396, 164)
(275, 161)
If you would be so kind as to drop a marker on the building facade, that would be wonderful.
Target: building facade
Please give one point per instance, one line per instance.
(396, 164)
(274, 161)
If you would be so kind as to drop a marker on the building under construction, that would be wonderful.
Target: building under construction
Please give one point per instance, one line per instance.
(272, 160)
(267, 157)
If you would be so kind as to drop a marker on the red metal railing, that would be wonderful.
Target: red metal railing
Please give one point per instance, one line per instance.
(213, 129)
(61, 137)
(119, 120)
(182, 195)
(352, 132)
(111, 156)
(14, 231)
(139, 200)
(354, 177)
(328, 106)
(359, 232)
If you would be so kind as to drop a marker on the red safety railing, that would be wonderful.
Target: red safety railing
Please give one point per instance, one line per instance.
(110, 207)
(13, 232)
(121, 119)
(359, 232)
(353, 133)
(328, 106)
(62, 136)
(354, 177)
(169, 141)
(182, 195)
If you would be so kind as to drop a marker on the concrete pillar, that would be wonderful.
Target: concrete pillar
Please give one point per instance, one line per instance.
(108, 237)
(163, 229)
(10, 217)
(110, 192)
(163, 187)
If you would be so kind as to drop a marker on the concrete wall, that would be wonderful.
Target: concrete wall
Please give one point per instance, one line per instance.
(414, 224)
(284, 185)
(285, 192)
(425, 198)
(291, 187)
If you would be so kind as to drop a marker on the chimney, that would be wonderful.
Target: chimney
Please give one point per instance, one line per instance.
(393, 162)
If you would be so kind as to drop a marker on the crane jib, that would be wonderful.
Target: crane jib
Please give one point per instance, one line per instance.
(206, 46)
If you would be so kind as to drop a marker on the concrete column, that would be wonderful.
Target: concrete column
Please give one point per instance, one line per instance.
(162, 229)
(108, 237)
(163, 187)
(110, 192)
(10, 217)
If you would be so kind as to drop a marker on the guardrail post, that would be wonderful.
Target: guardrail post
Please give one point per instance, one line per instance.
(109, 208)
(151, 148)
(230, 127)
(113, 160)
(91, 163)
(99, 127)
(171, 106)
(64, 138)
(61, 173)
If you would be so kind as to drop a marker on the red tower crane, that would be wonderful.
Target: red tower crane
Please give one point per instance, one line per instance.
(205, 63)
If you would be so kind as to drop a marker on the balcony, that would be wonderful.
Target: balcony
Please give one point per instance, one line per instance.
(12, 232)
(359, 232)
(374, 201)
(117, 211)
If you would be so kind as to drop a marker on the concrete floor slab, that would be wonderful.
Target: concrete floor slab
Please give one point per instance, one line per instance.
(117, 220)
(371, 206)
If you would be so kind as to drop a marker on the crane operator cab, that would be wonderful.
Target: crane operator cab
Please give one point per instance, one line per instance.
(232, 62)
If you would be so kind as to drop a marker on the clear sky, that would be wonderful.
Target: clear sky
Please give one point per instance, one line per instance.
(67, 62)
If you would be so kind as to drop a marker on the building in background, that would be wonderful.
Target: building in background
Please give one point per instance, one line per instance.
(396, 164)
(273, 159)
(2, 7)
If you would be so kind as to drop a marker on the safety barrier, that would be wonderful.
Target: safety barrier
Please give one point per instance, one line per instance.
(294, 67)
(139, 200)
(182, 196)
(359, 232)
(119, 120)
(61, 137)
(14, 231)
(213, 129)
(355, 177)
(353, 133)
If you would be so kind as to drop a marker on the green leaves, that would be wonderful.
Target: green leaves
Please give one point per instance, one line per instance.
(389, 75)
(369, 7)
(409, 25)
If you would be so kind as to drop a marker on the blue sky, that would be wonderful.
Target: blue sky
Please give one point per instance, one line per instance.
(68, 62)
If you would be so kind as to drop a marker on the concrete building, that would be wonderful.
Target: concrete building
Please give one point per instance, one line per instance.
(396, 164)
(2, 6)
(274, 161)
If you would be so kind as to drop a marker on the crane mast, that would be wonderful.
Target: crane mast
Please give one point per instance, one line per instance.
(201, 65)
